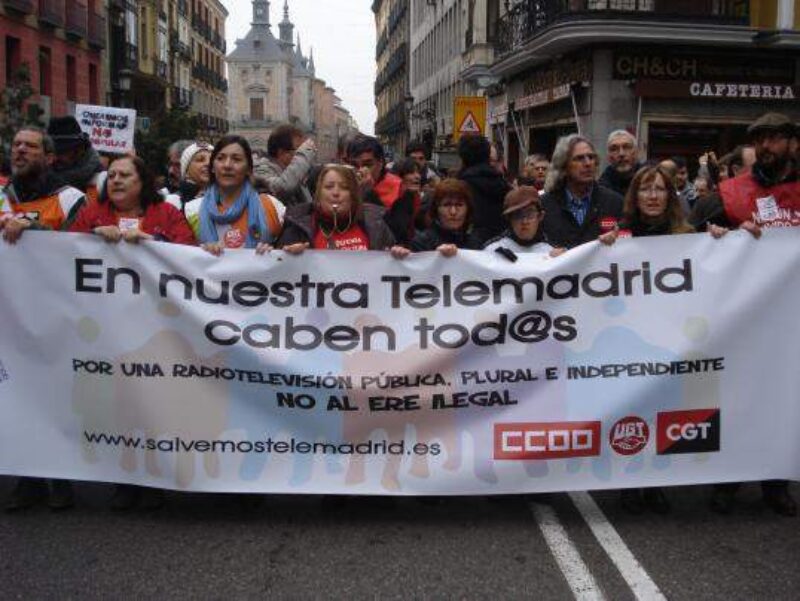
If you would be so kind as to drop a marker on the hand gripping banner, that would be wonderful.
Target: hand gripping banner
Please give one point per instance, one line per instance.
(658, 361)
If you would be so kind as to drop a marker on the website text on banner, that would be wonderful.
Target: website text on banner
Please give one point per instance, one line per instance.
(655, 362)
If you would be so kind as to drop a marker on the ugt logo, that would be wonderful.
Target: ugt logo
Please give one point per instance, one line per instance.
(629, 435)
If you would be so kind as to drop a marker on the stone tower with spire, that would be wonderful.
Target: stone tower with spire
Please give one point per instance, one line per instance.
(286, 28)
(270, 80)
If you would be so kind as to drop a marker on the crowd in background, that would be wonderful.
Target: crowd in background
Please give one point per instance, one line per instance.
(227, 196)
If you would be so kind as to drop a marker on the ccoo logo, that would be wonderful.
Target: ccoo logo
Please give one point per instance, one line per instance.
(629, 435)
(554, 440)
(695, 431)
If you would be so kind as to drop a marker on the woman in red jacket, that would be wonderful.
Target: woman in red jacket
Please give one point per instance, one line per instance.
(131, 209)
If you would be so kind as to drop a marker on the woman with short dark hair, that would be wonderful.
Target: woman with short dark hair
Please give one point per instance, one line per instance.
(232, 214)
(130, 208)
(449, 220)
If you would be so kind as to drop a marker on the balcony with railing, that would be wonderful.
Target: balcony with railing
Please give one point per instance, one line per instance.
(97, 30)
(24, 7)
(51, 12)
(527, 20)
(77, 24)
(181, 98)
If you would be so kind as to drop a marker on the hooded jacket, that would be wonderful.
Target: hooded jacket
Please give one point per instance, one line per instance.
(489, 189)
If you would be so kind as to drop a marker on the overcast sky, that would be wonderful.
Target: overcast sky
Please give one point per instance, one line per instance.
(342, 33)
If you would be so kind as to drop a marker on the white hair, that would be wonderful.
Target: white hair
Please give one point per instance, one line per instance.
(619, 133)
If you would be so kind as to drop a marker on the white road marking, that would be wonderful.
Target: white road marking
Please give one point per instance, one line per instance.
(632, 571)
(578, 577)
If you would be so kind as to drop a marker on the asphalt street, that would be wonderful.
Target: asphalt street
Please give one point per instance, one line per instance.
(223, 546)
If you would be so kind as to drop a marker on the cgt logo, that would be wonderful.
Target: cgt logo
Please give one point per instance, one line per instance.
(695, 431)
(554, 440)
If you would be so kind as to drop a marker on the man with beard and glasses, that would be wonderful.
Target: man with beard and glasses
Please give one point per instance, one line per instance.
(767, 196)
(35, 199)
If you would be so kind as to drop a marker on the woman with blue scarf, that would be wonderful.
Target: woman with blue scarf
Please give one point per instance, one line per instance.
(231, 214)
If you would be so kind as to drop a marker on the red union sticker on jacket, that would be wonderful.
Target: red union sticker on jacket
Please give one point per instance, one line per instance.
(554, 440)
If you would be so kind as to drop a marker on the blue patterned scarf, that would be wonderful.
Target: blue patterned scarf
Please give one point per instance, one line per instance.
(248, 200)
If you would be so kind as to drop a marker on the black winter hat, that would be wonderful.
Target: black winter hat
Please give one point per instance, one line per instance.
(66, 133)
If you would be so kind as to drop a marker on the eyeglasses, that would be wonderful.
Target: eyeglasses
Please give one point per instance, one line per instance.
(589, 157)
(653, 191)
(523, 214)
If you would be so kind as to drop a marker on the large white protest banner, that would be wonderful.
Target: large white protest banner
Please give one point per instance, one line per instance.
(109, 128)
(670, 360)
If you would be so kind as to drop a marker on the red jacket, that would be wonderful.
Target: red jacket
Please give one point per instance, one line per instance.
(745, 199)
(161, 220)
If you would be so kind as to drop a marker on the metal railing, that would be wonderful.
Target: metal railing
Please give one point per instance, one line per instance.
(77, 19)
(21, 6)
(51, 12)
(528, 18)
(97, 30)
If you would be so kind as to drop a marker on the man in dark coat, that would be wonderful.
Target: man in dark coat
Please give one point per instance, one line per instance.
(622, 163)
(576, 208)
(488, 186)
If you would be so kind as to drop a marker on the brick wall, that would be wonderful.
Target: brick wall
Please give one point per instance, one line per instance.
(31, 38)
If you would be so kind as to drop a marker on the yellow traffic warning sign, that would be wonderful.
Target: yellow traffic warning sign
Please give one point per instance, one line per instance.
(469, 116)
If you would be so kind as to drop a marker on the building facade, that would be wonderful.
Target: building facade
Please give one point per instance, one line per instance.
(169, 53)
(209, 84)
(392, 87)
(273, 82)
(62, 44)
(685, 76)
(451, 54)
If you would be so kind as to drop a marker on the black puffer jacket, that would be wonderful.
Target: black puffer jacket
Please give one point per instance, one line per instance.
(560, 226)
(489, 189)
(433, 237)
(297, 226)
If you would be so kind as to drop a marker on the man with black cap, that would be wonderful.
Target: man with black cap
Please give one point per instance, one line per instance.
(76, 161)
(768, 196)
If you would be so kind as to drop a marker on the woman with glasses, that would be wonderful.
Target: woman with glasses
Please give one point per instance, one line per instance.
(523, 211)
(652, 208)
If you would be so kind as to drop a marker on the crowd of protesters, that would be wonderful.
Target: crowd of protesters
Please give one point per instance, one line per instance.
(225, 197)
